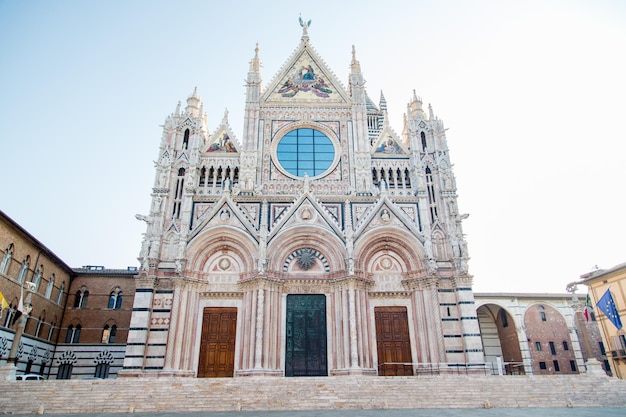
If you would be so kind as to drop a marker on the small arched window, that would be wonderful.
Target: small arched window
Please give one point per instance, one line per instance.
(50, 287)
(542, 313)
(37, 277)
(423, 136)
(6, 259)
(21, 275)
(115, 299)
(81, 298)
(40, 322)
(61, 291)
(109, 333)
(186, 139)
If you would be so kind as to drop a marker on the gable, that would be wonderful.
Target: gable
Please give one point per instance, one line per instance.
(305, 78)
(222, 142)
(388, 145)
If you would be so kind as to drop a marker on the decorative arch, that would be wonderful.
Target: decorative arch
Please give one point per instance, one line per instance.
(326, 248)
(498, 331)
(550, 343)
(226, 248)
(402, 247)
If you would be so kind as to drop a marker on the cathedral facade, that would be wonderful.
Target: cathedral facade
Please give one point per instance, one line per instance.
(319, 243)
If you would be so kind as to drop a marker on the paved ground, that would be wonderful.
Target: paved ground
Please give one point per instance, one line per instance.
(448, 412)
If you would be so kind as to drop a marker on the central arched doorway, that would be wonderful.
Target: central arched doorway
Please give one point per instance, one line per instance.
(306, 346)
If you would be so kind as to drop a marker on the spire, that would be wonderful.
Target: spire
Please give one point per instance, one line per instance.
(431, 114)
(383, 102)
(253, 82)
(255, 64)
(193, 103)
(415, 107)
(355, 65)
(225, 118)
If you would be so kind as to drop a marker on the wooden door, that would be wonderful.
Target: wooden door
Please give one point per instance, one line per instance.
(392, 341)
(305, 353)
(217, 343)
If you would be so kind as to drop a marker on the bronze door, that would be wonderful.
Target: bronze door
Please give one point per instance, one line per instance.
(392, 341)
(305, 353)
(217, 343)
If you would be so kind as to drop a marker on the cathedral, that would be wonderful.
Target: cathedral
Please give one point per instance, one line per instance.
(321, 242)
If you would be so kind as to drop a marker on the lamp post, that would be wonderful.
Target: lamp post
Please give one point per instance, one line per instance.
(10, 368)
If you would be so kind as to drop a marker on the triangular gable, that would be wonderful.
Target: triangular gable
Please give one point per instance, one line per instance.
(305, 209)
(305, 77)
(389, 145)
(386, 213)
(225, 213)
(223, 140)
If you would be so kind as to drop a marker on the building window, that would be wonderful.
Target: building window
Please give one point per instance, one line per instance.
(6, 259)
(40, 323)
(178, 193)
(602, 350)
(50, 330)
(21, 275)
(556, 366)
(65, 371)
(73, 334)
(37, 277)
(305, 151)
(572, 365)
(542, 313)
(81, 298)
(552, 348)
(565, 345)
(423, 136)
(538, 346)
(102, 370)
(186, 139)
(115, 299)
(542, 365)
(504, 318)
(9, 318)
(109, 333)
(61, 291)
(50, 287)
(432, 201)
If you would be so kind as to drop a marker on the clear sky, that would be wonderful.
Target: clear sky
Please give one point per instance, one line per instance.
(533, 94)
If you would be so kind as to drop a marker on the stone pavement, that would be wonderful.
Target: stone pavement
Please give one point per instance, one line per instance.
(423, 412)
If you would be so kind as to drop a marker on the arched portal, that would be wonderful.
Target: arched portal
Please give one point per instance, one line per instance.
(500, 339)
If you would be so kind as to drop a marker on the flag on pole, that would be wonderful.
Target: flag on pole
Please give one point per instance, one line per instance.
(20, 308)
(587, 307)
(606, 304)
(3, 302)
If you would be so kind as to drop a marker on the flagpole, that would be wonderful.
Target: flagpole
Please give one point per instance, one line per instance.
(614, 369)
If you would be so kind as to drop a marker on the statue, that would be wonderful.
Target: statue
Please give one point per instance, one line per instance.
(305, 26)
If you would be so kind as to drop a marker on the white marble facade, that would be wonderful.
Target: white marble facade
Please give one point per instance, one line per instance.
(368, 219)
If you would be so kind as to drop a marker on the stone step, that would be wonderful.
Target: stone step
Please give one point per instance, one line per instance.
(315, 393)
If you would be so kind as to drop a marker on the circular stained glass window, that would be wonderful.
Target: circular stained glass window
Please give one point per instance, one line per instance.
(305, 151)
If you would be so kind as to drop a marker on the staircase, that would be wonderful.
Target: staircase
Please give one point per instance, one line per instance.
(125, 395)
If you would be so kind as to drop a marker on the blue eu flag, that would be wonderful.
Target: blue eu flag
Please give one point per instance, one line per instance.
(607, 305)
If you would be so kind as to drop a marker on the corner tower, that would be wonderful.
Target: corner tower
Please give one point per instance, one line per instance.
(321, 243)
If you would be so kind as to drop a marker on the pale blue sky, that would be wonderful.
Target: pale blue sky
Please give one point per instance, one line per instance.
(532, 93)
